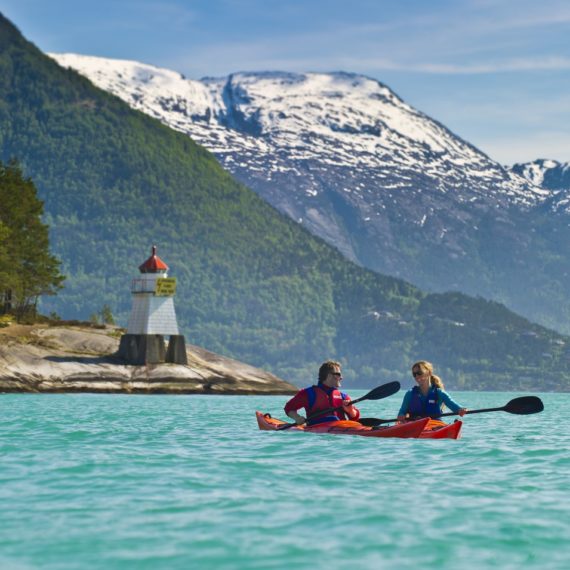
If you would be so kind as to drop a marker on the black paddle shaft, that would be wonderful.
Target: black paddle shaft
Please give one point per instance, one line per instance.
(522, 406)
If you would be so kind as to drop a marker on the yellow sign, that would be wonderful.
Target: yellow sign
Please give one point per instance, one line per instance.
(165, 287)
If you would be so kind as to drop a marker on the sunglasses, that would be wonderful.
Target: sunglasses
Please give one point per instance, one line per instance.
(336, 374)
(416, 373)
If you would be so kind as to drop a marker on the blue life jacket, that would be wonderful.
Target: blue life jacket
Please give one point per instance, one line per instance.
(421, 407)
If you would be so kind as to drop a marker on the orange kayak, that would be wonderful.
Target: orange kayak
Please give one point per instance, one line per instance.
(347, 427)
(436, 429)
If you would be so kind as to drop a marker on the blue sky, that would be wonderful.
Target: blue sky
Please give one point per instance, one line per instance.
(496, 72)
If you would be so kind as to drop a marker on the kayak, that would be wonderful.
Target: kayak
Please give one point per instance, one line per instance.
(347, 427)
(436, 429)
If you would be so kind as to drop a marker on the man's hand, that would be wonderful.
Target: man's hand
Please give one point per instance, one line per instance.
(298, 418)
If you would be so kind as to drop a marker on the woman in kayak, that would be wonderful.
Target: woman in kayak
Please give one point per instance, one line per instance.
(428, 397)
(323, 396)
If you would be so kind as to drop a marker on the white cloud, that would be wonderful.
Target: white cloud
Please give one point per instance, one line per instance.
(508, 65)
(469, 38)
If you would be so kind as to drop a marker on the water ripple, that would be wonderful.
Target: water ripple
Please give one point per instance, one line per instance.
(137, 482)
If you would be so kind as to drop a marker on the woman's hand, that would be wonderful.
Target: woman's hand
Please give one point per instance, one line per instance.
(462, 411)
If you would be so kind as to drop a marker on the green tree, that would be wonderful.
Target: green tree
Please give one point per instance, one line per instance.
(107, 315)
(27, 269)
(5, 275)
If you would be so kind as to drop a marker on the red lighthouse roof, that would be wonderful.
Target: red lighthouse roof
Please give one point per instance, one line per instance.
(153, 264)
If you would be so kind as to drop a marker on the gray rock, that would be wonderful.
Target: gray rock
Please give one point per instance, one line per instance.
(40, 358)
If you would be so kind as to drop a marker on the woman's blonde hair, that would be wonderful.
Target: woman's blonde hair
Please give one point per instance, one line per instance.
(426, 366)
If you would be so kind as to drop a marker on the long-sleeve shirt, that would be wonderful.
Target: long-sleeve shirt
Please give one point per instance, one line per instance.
(443, 399)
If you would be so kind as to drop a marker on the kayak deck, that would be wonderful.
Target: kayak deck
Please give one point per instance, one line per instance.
(436, 429)
(412, 429)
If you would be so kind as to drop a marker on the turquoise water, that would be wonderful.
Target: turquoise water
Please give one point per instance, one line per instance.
(147, 482)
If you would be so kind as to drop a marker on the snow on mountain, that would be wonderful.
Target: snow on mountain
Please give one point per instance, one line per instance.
(535, 171)
(338, 152)
(279, 118)
(550, 175)
(391, 188)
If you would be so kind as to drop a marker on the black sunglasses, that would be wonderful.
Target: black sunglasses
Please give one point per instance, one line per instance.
(336, 373)
(416, 373)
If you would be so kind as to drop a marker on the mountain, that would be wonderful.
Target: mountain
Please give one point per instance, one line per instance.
(392, 189)
(252, 283)
(550, 175)
(547, 174)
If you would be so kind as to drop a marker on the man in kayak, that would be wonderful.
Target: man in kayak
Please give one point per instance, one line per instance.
(428, 397)
(323, 396)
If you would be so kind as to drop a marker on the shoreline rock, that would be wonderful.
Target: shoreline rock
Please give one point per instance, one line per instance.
(73, 359)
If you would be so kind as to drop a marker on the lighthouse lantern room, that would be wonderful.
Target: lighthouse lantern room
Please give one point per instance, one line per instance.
(153, 317)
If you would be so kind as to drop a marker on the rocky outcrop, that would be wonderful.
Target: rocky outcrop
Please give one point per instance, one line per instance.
(40, 358)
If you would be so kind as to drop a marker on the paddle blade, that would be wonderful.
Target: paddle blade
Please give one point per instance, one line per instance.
(525, 405)
(381, 391)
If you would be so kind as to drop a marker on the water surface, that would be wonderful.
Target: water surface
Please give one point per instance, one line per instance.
(147, 482)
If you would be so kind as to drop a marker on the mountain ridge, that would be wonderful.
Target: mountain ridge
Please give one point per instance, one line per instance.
(389, 187)
(168, 95)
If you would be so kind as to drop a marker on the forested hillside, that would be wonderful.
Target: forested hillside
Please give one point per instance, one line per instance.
(252, 284)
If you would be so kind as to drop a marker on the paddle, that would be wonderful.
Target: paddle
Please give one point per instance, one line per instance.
(520, 406)
(377, 394)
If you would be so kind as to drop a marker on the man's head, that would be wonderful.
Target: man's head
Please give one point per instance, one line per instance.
(330, 374)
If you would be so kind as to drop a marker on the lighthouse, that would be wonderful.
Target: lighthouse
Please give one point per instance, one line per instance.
(153, 317)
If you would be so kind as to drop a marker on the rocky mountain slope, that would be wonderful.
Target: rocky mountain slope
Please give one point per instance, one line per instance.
(391, 188)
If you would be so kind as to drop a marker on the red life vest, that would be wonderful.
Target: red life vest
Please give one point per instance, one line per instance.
(321, 399)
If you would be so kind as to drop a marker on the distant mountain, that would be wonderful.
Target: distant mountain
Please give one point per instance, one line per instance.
(252, 284)
(546, 174)
(550, 175)
(339, 152)
(391, 188)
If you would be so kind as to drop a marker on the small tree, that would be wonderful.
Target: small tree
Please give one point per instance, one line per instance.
(27, 269)
(6, 278)
(104, 316)
(107, 315)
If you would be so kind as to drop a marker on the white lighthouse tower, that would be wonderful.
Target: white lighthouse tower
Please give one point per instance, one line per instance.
(153, 317)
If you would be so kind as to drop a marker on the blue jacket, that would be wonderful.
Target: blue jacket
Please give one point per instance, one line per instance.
(416, 404)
